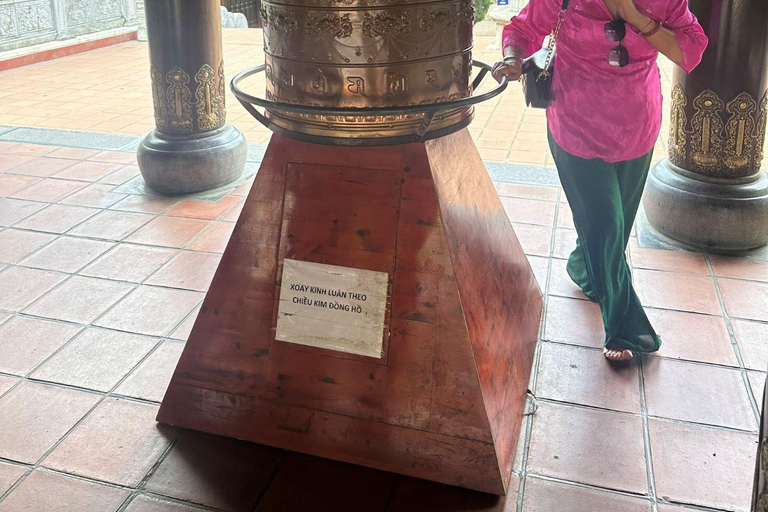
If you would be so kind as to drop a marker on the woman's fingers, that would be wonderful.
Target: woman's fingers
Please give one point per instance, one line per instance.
(510, 70)
(495, 72)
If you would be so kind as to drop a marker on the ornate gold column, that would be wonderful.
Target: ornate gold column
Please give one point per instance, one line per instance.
(710, 192)
(192, 148)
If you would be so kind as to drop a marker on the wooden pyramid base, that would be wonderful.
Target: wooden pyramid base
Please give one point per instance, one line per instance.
(445, 402)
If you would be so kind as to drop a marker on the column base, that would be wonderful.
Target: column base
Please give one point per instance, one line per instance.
(715, 216)
(175, 166)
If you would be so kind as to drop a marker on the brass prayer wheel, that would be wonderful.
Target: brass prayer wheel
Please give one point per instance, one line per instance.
(367, 54)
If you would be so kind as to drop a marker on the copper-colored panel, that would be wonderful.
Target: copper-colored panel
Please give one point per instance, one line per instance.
(500, 297)
(444, 401)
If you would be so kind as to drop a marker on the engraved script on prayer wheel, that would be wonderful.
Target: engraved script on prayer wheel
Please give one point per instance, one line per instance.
(367, 53)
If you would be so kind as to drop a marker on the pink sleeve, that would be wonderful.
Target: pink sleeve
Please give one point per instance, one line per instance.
(689, 34)
(529, 28)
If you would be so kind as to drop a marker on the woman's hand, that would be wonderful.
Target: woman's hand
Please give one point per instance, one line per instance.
(511, 67)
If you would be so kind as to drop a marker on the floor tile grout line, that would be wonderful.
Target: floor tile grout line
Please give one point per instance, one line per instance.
(176, 440)
(105, 210)
(91, 325)
(734, 344)
(581, 485)
(104, 255)
(19, 263)
(86, 183)
(103, 396)
(84, 327)
(28, 376)
(186, 247)
(37, 465)
(71, 475)
(528, 432)
(15, 225)
(646, 436)
(113, 390)
(213, 224)
(27, 216)
(593, 408)
(162, 212)
(167, 333)
(277, 469)
(627, 494)
(41, 180)
(27, 255)
(70, 276)
(582, 299)
(80, 389)
(72, 387)
(657, 356)
(68, 322)
(200, 301)
(67, 233)
(16, 484)
(135, 494)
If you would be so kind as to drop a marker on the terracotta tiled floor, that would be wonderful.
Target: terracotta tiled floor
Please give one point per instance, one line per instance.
(100, 287)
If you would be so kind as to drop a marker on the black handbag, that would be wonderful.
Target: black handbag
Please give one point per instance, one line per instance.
(537, 69)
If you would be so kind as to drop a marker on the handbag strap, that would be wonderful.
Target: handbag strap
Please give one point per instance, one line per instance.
(552, 39)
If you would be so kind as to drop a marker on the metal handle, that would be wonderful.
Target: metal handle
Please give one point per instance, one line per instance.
(429, 110)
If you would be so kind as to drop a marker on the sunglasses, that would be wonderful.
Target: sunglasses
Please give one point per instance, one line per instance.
(616, 30)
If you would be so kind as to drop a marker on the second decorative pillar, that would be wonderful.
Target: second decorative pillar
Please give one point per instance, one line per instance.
(710, 192)
(192, 148)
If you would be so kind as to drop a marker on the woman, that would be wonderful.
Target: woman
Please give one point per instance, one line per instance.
(603, 121)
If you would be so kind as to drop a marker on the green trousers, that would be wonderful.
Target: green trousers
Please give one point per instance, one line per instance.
(604, 198)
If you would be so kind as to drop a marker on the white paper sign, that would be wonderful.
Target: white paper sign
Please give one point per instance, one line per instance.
(336, 308)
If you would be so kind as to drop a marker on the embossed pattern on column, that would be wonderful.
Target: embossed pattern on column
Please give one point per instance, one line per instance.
(722, 139)
(188, 80)
(719, 110)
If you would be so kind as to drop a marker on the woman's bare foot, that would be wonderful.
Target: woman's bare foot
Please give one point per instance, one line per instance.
(617, 354)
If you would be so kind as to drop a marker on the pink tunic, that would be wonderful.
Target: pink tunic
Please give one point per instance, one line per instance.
(600, 111)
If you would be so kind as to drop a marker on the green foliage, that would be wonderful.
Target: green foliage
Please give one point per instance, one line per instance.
(481, 9)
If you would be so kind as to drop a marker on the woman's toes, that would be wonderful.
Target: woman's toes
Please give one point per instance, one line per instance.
(617, 355)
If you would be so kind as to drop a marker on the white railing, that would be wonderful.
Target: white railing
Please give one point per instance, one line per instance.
(27, 23)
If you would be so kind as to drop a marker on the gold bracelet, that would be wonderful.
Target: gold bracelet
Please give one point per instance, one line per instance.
(652, 31)
(650, 21)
